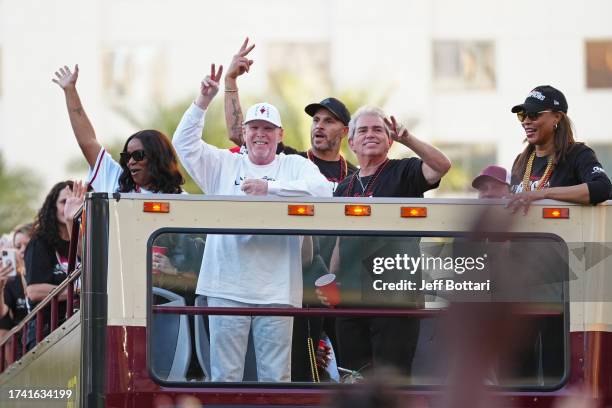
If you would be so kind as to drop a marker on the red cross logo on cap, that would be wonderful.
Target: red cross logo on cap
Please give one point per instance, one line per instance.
(262, 110)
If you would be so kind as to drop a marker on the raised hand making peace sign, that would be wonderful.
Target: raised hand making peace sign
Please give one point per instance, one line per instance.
(209, 86)
(240, 63)
(398, 132)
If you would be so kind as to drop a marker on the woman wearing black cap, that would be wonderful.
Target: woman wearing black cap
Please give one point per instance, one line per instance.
(553, 165)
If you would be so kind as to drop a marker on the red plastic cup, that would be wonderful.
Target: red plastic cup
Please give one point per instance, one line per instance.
(158, 250)
(329, 288)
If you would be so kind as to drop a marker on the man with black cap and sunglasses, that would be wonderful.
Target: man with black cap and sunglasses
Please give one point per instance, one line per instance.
(553, 165)
(330, 119)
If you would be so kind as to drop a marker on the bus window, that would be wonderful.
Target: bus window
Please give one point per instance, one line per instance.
(390, 296)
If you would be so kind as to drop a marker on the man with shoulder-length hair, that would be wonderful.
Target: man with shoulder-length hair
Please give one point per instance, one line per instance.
(386, 341)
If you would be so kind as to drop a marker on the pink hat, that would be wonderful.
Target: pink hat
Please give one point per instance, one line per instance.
(495, 172)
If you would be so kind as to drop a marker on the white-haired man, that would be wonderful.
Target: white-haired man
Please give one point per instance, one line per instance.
(383, 341)
(248, 270)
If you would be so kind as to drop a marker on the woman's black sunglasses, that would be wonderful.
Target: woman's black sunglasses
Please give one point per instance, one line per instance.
(137, 155)
(522, 115)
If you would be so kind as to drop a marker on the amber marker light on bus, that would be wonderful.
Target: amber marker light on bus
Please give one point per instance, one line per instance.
(357, 210)
(156, 207)
(548, 212)
(414, 212)
(300, 209)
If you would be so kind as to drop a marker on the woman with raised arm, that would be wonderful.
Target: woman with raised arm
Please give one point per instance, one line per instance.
(553, 165)
(148, 161)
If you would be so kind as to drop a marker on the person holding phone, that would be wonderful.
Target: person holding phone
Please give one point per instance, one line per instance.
(13, 303)
(7, 269)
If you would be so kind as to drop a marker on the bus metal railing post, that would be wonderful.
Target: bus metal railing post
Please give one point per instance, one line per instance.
(54, 313)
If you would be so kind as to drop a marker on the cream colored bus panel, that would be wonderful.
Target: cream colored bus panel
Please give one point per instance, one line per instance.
(130, 228)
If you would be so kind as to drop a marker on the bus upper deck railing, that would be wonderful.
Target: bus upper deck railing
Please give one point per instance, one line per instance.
(10, 343)
(522, 310)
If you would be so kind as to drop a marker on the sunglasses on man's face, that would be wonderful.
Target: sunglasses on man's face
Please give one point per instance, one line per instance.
(137, 155)
(522, 115)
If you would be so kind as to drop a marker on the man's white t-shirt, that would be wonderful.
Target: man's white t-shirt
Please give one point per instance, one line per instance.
(254, 269)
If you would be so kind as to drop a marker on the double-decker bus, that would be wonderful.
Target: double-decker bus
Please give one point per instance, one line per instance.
(135, 336)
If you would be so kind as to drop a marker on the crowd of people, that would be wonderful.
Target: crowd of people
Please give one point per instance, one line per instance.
(234, 271)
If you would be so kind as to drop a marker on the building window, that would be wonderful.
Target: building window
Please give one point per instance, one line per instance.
(310, 62)
(464, 65)
(133, 73)
(599, 64)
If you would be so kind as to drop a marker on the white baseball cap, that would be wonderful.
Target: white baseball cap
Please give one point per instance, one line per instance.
(263, 111)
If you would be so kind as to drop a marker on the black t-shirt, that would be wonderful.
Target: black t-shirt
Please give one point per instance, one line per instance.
(283, 148)
(45, 264)
(396, 178)
(580, 166)
(14, 298)
(335, 171)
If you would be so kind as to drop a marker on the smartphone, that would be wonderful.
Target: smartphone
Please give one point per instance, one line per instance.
(8, 258)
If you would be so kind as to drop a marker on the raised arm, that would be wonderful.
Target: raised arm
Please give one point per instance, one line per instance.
(74, 202)
(233, 113)
(209, 87)
(435, 163)
(81, 126)
(201, 160)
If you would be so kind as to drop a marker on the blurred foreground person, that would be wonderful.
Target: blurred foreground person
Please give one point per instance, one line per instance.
(376, 392)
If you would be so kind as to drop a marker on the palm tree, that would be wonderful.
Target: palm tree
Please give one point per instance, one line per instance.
(19, 192)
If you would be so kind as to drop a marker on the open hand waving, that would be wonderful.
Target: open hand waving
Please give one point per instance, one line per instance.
(75, 199)
(65, 78)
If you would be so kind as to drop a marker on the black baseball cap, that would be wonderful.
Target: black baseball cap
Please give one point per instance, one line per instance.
(333, 105)
(542, 98)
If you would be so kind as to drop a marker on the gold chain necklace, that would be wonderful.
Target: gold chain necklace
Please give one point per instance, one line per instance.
(545, 177)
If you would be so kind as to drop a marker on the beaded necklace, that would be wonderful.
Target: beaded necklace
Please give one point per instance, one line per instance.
(369, 187)
(545, 177)
(343, 165)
